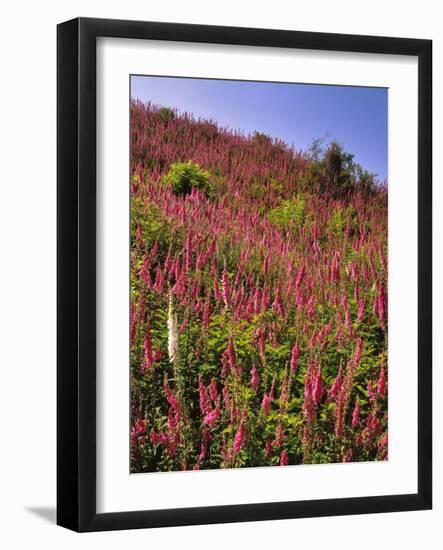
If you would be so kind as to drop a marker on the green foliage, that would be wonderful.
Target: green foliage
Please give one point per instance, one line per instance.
(289, 212)
(150, 219)
(166, 114)
(185, 176)
(341, 218)
(209, 130)
(256, 189)
(316, 149)
(261, 139)
(333, 169)
(276, 185)
(366, 180)
(339, 169)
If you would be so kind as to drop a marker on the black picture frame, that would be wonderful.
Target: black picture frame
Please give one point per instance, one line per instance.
(76, 279)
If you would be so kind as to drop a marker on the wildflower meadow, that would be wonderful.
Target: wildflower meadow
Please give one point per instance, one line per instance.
(258, 310)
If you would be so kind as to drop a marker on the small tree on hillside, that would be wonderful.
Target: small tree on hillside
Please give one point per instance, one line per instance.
(339, 169)
(333, 170)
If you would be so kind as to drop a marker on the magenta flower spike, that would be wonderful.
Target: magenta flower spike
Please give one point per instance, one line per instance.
(295, 354)
(381, 384)
(355, 415)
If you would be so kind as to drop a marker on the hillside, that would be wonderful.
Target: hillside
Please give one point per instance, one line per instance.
(258, 300)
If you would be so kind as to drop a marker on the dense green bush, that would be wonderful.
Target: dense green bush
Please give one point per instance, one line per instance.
(166, 114)
(185, 176)
(342, 218)
(148, 223)
(288, 212)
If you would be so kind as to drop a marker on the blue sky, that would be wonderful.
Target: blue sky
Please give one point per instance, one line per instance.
(295, 113)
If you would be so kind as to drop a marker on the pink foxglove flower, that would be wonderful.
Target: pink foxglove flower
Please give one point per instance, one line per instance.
(277, 304)
(168, 262)
(284, 458)
(279, 436)
(138, 429)
(381, 305)
(226, 288)
(355, 415)
(240, 435)
(358, 351)
(348, 456)
(381, 384)
(310, 307)
(317, 389)
(231, 355)
(172, 399)
(308, 402)
(173, 420)
(284, 391)
(217, 293)
(295, 354)
(158, 438)
(261, 342)
(300, 276)
(139, 241)
(383, 447)
(212, 388)
(257, 301)
(204, 444)
(203, 397)
(144, 272)
(312, 340)
(361, 310)
(348, 319)
(266, 403)
(336, 386)
(255, 378)
(272, 390)
(133, 325)
(211, 418)
(188, 257)
(265, 299)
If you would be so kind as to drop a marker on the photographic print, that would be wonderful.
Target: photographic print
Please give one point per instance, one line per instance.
(235, 299)
(258, 274)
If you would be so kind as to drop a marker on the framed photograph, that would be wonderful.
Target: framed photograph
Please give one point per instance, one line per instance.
(244, 274)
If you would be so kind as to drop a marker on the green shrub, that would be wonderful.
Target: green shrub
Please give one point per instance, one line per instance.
(166, 114)
(289, 211)
(262, 139)
(341, 218)
(150, 219)
(185, 176)
(339, 169)
(209, 130)
(256, 189)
